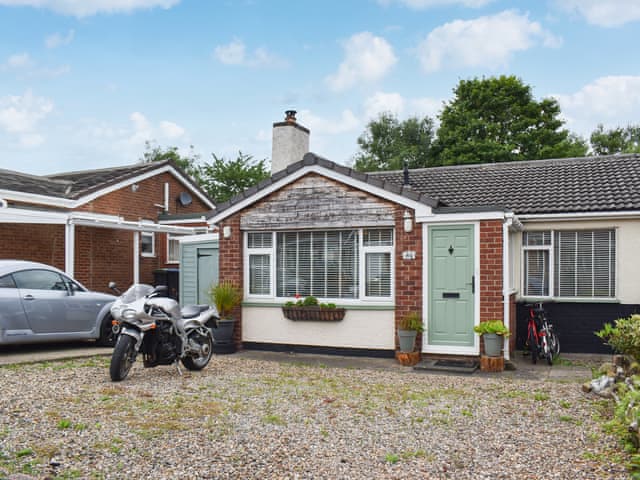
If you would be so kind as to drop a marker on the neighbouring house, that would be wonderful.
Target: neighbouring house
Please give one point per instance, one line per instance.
(460, 245)
(121, 224)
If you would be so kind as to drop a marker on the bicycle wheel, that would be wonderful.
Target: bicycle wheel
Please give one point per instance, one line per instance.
(533, 345)
(546, 349)
(554, 343)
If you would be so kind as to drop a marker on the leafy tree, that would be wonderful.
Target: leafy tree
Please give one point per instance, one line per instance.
(388, 143)
(497, 119)
(188, 163)
(222, 178)
(617, 140)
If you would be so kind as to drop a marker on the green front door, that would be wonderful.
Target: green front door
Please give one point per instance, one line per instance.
(451, 286)
(207, 268)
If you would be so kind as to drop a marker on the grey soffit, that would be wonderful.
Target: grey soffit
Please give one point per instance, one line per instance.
(588, 184)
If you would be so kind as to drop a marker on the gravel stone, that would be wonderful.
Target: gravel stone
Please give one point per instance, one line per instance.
(246, 418)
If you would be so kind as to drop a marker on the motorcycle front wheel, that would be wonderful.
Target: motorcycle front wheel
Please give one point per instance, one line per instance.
(122, 358)
(204, 342)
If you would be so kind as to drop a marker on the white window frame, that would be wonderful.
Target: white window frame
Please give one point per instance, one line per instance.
(153, 244)
(271, 251)
(552, 266)
(363, 267)
(175, 238)
(344, 301)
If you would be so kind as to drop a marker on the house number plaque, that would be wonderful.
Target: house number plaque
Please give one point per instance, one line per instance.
(408, 255)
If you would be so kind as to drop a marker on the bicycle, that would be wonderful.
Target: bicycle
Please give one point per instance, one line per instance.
(541, 337)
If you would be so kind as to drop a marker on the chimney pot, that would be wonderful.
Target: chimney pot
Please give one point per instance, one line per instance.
(290, 115)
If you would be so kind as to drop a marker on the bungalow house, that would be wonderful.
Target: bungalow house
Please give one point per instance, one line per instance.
(460, 245)
(120, 223)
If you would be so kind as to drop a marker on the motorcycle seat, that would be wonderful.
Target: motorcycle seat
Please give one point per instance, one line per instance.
(192, 311)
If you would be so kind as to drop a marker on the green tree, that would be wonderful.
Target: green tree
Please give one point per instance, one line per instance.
(222, 178)
(188, 163)
(616, 140)
(497, 119)
(388, 142)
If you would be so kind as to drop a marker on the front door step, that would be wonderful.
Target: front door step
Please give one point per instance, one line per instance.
(448, 366)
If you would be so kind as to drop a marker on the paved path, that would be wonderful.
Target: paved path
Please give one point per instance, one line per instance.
(573, 367)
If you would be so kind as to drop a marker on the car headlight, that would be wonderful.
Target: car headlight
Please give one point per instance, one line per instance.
(129, 314)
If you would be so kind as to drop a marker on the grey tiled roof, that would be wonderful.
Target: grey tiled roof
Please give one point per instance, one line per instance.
(74, 185)
(588, 184)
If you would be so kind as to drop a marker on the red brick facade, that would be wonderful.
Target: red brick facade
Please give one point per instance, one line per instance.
(408, 273)
(103, 254)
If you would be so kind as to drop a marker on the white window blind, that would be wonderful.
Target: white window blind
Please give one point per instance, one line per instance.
(585, 263)
(322, 264)
(581, 263)
(259, 246)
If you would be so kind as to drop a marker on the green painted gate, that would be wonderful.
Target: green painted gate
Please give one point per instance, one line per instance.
(198, 268)
(451, 286)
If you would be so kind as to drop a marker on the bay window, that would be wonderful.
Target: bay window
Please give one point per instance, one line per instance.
(332, 264)
(579, 263)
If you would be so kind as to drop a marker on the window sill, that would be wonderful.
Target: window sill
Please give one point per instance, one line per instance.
(266, 304)
(567, 300)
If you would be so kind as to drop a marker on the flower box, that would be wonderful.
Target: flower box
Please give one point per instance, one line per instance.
(314, 314)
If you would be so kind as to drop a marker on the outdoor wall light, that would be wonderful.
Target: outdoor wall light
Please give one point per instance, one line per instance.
(135, 187)
(408, 221)
(226, 231)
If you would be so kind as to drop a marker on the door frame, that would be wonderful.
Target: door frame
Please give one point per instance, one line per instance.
(426, 259)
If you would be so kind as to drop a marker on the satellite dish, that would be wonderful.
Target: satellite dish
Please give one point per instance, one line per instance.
(184, 199)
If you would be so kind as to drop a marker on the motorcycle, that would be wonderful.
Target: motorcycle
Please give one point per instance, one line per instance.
(146, 320)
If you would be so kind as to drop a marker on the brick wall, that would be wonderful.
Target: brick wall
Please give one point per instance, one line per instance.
(37, 243)
(408, 273)
(491, 300)
(230, 265)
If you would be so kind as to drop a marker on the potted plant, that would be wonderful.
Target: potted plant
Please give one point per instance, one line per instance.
(493, 333)
(310, 309)
(225, 296)
(408, 329)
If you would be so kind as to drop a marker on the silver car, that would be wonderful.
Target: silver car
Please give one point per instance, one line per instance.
(39, 303)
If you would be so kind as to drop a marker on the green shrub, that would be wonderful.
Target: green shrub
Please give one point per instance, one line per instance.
(412, 321)
(492, 326)
(624, 337)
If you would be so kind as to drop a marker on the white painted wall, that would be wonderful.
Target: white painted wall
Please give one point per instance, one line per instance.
(372, 329)
(627, 244)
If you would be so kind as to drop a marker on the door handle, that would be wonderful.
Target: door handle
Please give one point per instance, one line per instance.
(28, 297)
(473, 284)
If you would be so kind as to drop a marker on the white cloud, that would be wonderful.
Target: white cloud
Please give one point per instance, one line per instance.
(20, 116)
(322, 126)
(144, 130)
(487, 41)
(609, 13)
(21, 113)
(613, 101)
(424, 4)
(235, 53)
(171, 130)
(381, 102)
(19, 60)
(85, 8)
(367, 58)
(58, 40)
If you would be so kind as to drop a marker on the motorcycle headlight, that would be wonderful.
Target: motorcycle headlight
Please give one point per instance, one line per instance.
(129, 314)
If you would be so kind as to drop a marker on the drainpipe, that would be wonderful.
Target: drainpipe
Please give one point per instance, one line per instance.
(136, 257)
(69, 247)
(506, 293)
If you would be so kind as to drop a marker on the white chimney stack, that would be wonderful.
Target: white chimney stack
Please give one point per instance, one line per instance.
(290, 142)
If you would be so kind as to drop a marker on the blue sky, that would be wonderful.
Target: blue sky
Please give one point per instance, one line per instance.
(84, 83)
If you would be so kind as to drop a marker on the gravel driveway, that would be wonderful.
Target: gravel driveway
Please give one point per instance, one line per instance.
(244, 418)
